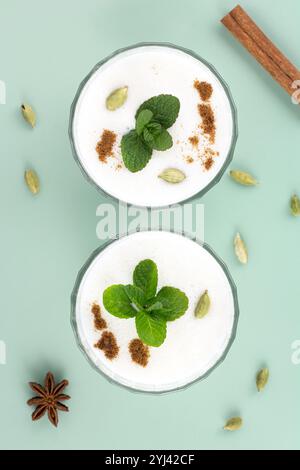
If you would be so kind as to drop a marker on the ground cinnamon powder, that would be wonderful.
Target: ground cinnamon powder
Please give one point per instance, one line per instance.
(108, 344)
(194, 140)
(105, 145)
(208, 163)
(139, 352)
(99, 322)
(204, 89)
(208, 121)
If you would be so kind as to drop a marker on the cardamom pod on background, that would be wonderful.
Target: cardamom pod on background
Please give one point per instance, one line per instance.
(28, 114)
(243, 178)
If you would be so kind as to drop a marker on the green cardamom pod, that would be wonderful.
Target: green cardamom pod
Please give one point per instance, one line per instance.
(243, 178)
(32, 181)
(240, 249)
(233, 424)
(202, 306)
(117, 98)
(28, 114)
(295, 205)
(172, 175)
(262, 379)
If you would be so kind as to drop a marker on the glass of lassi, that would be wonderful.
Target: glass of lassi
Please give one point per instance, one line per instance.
(203, 134)
(195, 342)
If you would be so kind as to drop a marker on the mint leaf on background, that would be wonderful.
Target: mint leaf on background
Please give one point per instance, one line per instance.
(117, 302)
(142, 120)
(145, 277)
(163, 141)
(151, 328)
(174, 302)
(135, 152)
(135, 295)
(165, 109)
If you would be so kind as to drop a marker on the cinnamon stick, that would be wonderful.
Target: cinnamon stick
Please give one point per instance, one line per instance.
(261, 48)
(248, 25)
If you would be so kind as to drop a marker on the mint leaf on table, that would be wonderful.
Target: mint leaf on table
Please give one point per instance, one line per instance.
(117, 302)
(151, 328)
(136, 153)
(136, 296)
(165, 109)
(174, 302)
(162, 141)
(142, 120)
(145, 277)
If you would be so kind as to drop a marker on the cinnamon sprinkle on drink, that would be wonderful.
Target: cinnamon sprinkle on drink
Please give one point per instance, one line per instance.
(208, 121)
(194, 140)
(139, 352)
(108, 344)
(105, 145)
(208, 163)
(204, 89)
(99, 322)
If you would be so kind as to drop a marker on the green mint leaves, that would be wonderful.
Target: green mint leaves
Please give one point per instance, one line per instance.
(165, 109)
(145, 276)
(151, 328)
(136, 152)
(142, 120)
(174, 304)
(153, 118)
(151, 310)
(117, 302)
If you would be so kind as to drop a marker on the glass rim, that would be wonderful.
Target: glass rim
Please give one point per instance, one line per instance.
(226, 88)
(80, 275)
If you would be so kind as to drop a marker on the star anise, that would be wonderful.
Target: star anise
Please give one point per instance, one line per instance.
(48, 398)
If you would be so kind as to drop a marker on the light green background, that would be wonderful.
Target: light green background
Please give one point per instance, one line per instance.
(46, 48)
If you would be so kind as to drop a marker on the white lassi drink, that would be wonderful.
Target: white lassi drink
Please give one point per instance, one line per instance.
(192, 347)
(203, 134)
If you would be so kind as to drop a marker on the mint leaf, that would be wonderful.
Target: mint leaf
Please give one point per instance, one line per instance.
(145, 277)
(148, 137)
(135, 152)
(174, 302)
(154, 306)
(153, 117)
(142, 120)
(117, 302)
(162, 142)
(151, 328)
(136, 295)
(151, 311)
(165, 109)
(154, 128)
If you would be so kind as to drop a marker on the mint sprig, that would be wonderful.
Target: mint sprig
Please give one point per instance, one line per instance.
(165, 109)
(153, 118)
(151, 310)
